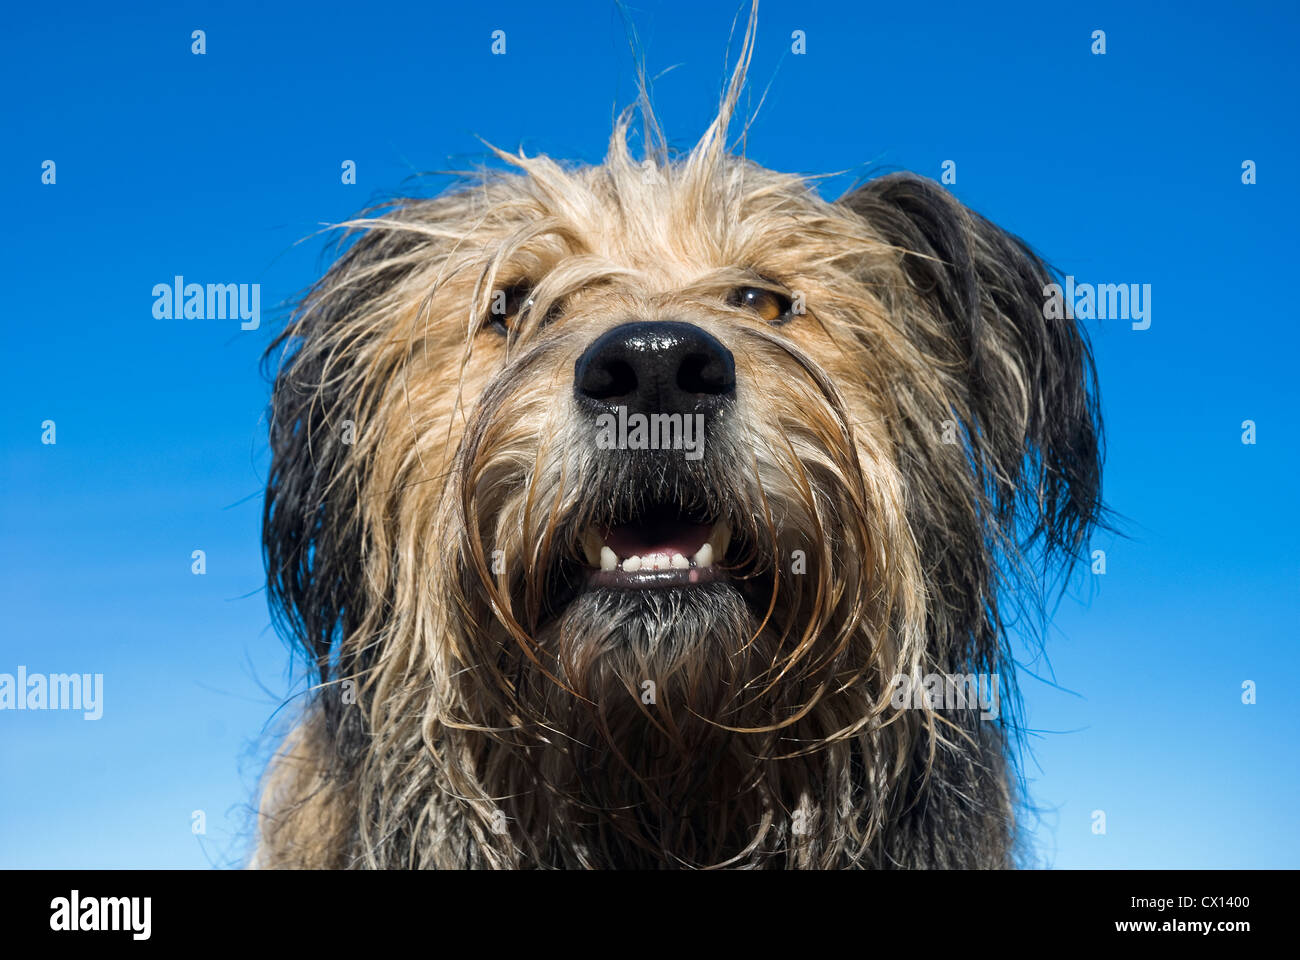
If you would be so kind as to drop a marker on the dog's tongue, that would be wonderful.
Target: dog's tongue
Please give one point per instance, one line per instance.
(663, 535)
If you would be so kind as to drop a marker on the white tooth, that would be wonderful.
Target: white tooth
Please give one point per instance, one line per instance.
(704, 556)
(591, 544)
(608, 559)
(632, 564)
(648, 561)
(721, 538)
(680, 563)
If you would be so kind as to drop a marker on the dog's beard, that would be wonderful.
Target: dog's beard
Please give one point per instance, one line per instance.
(668, 715)
(618, 640)
(654, 678)
(637, 696)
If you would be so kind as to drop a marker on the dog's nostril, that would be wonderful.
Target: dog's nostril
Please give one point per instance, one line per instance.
(703, 373)
(606, 381)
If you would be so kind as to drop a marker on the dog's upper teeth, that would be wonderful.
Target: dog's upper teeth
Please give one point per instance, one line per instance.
(592, 546)
(721, 538)
(603, 557)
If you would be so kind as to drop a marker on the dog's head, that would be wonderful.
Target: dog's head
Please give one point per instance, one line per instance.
(626, 491)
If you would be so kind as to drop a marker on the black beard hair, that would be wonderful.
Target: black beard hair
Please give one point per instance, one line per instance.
(651, 772)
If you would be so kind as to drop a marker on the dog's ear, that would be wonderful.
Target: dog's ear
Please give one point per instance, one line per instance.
(1026, 388)
(311, 521)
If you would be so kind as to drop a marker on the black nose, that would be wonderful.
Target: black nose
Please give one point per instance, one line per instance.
(655, 367)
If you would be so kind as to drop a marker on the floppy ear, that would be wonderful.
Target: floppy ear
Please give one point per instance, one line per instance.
(1027, 388)
(311, 521)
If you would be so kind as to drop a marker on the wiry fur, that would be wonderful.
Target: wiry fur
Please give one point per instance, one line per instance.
(489, 728)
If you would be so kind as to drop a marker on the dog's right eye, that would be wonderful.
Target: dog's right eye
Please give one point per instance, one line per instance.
(771, 305)
(506, 305)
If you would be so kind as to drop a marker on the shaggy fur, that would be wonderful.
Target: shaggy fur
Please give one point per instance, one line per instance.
(473, 713)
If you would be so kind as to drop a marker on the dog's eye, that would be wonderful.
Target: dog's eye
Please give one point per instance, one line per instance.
(772, 306)
(506, 306)
(514, 302)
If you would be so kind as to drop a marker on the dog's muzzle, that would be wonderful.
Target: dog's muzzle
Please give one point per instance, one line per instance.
(674, 374)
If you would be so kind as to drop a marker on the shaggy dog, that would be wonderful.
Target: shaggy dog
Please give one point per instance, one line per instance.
(628, 513)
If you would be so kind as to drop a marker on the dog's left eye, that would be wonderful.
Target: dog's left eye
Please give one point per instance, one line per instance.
(508, 304)
(772, 306)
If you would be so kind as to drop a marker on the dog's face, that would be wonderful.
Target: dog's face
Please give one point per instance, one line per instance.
(697, 554)
(636, 485)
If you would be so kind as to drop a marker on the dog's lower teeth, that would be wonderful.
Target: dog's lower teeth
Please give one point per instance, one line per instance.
(679, 562)
(632, 564)
(704, 556)
(608, 559)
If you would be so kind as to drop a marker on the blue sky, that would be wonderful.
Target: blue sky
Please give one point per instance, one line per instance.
(1118, 168)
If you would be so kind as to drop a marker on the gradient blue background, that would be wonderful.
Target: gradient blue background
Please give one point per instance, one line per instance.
(1119, 168)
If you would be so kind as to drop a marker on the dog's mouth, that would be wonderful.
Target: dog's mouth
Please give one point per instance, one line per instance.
(661, 546)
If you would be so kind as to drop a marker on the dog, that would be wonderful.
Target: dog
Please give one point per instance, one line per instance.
(627, 513)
